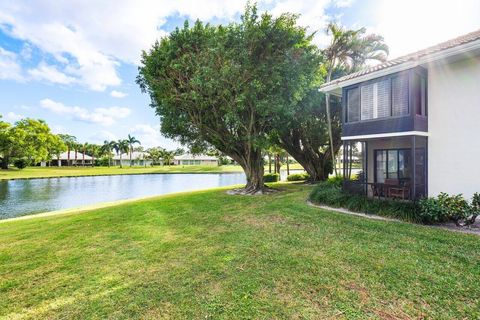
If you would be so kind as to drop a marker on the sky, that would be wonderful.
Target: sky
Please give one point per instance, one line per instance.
(73, 63)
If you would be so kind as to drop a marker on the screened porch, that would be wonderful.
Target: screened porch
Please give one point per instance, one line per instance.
(393, 167)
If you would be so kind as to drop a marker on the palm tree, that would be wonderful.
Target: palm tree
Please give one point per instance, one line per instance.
(94, 151)
(120, 147)
(131, 141)
(70, 142)
(106, 149)
(76, 147)
(168, 157)
(349, 50)
(85, 146)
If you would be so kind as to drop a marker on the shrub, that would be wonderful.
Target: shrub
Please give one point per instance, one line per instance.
(330, 194)
(474, 208)
(432, 211)
(271, 177)
(446, 207)
(20, 163)
(335, 181)
(298, 177)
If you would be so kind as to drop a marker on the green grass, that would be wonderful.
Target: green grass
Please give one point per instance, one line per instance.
(211, 255)
(50, 172)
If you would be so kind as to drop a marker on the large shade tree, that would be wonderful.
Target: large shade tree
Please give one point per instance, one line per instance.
(305, 135)
(28, 139)
(226, 85)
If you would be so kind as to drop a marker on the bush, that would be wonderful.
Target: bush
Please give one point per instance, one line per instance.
(298, 177)
(20, 163)
(432, 211)
(271, 177)
(335, 181)
(328, 193)
(446, 207)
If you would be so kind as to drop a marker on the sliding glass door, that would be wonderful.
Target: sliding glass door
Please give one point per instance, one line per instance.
(392, 164)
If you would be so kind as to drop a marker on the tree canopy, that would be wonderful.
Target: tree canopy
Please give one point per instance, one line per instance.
(227, 85)
(28, 139)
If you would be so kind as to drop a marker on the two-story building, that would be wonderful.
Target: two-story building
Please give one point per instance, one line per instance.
(416, 120)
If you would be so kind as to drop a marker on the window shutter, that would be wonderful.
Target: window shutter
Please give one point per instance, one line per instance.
(367, 102)
(353, 105)
(400, 96)
(383, 99)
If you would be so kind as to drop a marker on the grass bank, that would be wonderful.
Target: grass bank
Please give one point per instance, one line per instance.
(210, 255)
(54, 172)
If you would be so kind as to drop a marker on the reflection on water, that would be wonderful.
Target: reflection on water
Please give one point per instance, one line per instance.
(22, 197)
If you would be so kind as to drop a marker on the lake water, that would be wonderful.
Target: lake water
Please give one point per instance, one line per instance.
(23, 197)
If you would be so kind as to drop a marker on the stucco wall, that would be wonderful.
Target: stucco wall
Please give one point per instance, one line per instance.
(454, 127)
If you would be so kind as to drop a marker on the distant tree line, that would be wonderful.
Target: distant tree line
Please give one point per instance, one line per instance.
(248, 86)
(29, 142)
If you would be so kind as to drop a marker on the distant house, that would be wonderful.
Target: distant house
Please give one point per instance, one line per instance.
(64, 160)
(199, 159)
(416, 119)
(139, 158)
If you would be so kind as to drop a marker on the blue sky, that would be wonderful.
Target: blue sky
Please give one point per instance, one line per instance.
(74, 63)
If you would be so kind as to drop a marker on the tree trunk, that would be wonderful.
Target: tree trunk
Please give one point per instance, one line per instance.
(121, 161)
(131, 150)
(252, 164)
(288, 167)
(68, 156)
(278, 165)
(314, 162)
(329, 123)
(269, 163)
(5, 163)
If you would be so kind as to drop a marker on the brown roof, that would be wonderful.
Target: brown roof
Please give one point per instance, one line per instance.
(469, 37)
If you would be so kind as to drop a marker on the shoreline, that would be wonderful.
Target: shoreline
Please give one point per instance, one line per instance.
(120, 174)
(108, 204)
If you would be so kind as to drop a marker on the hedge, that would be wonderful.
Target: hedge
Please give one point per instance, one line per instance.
(327, 193)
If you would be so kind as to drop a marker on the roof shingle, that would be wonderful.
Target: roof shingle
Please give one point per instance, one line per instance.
(469, 37)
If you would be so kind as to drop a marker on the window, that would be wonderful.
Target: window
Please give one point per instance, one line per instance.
(397, 95)
(375, 100)
(400, 96)
(353, 105)
(392, 164)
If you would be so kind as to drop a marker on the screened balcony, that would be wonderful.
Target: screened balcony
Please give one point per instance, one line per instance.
(390, 167)
(394, 103)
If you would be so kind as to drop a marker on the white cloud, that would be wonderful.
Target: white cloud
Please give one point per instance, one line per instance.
(10, 68)
(312, 16)
(101, 136)
(90, 41)
(58, 129)
(12, 116)
(413, 25)
(118, 94)
(150, 136)
(102, 116)
(44, 72)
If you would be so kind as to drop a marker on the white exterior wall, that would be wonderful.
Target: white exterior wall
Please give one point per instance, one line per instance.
(454, 128)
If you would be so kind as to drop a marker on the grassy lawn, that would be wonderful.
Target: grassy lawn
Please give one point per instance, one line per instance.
(210, 255)
(46, 172)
